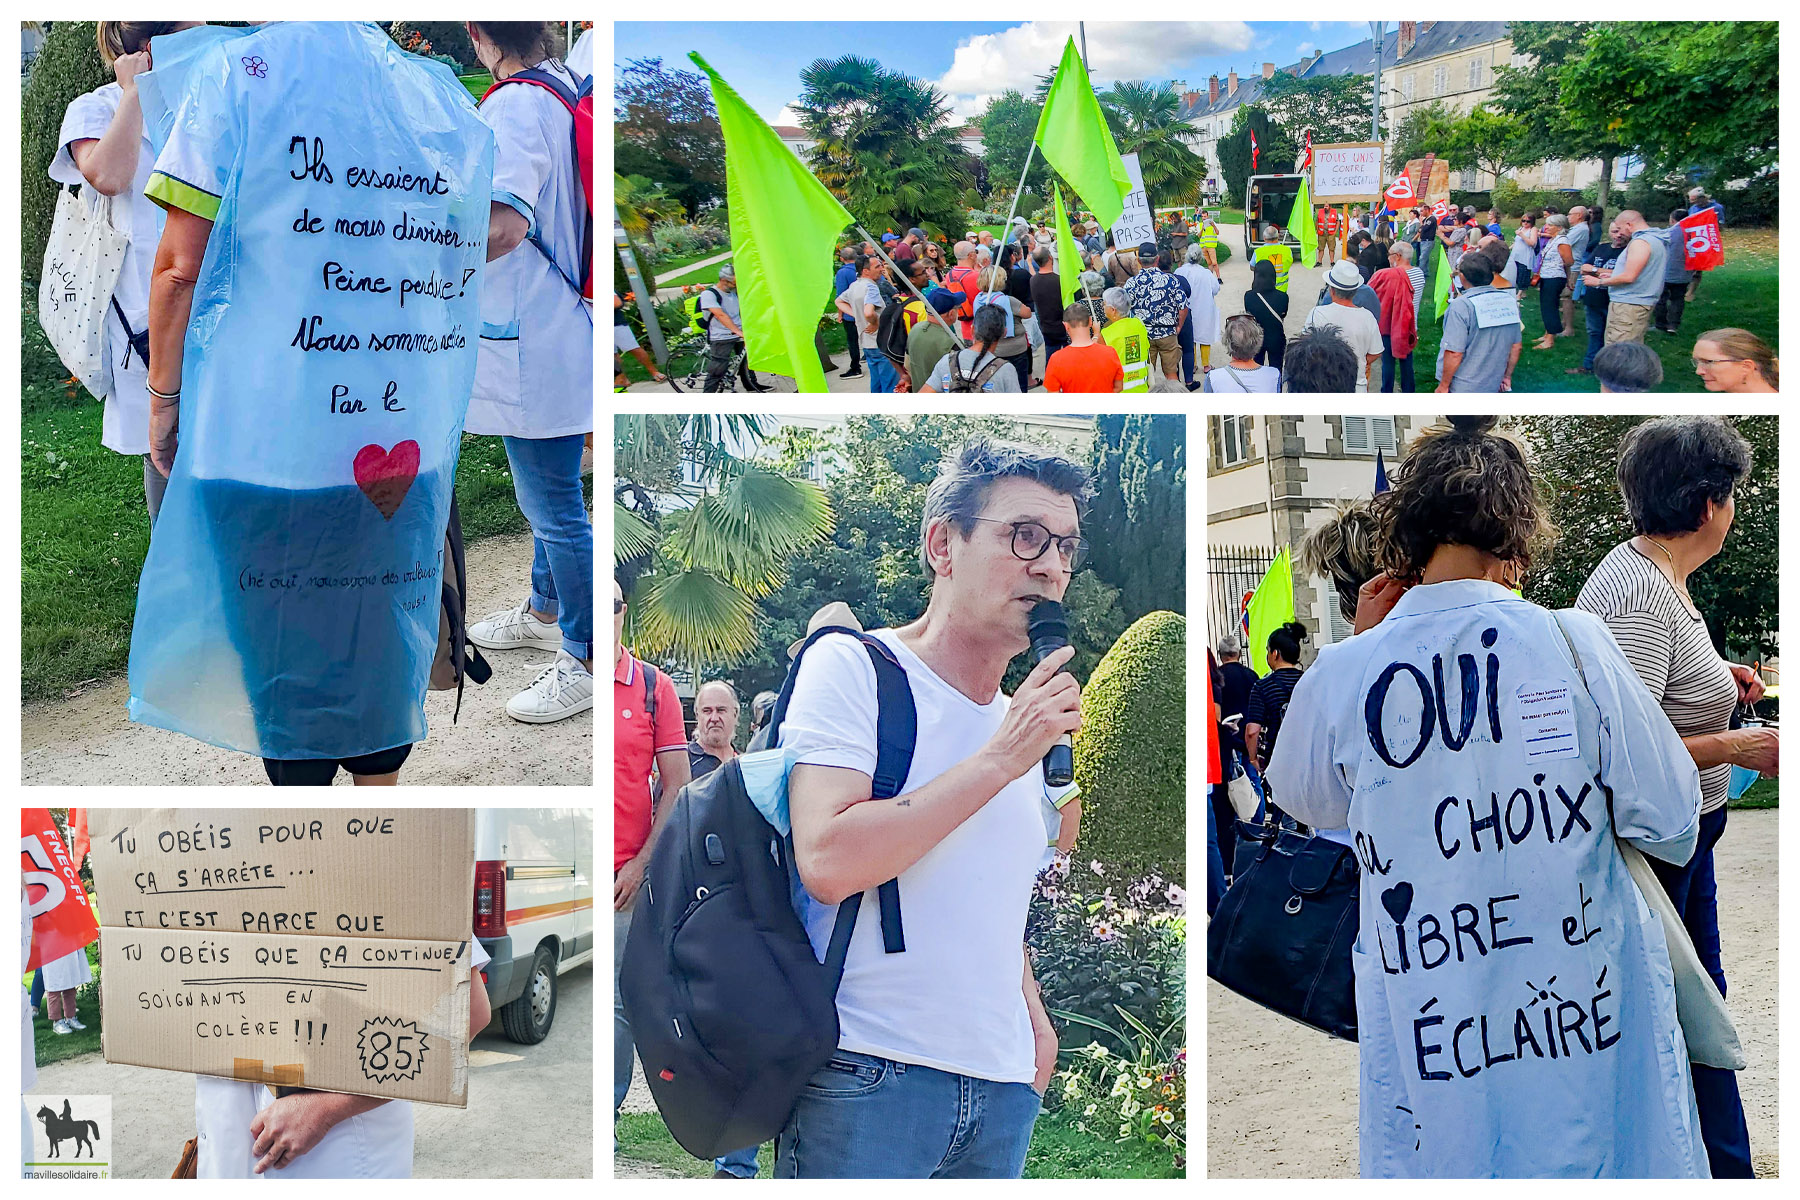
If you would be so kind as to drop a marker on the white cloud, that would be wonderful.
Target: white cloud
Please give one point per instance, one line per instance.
(1306, 49)
(990, 63)
(787, 115)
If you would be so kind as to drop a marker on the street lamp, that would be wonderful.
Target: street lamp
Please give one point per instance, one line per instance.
(1379, 29)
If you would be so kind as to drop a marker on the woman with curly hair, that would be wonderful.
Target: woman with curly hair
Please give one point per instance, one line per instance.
(1515, 1002)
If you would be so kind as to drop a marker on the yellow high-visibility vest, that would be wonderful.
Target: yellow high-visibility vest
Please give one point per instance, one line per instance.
(1131, 340)
(1281, 256)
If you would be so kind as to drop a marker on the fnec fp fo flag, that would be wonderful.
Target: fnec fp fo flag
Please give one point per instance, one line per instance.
(1073, 136)
(1705, 245)
(55, 902)
(784, 225)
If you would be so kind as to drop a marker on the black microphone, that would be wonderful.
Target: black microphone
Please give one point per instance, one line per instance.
(1049, 633)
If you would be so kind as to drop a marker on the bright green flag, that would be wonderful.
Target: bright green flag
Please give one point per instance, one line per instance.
(1271, 607)
(784, 226)
(1440, 281)
(1073, 136)
(1302, 225)
(1068, 257)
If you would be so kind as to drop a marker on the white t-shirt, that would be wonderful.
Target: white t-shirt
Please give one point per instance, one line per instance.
(377, 1144)
(954, 998)
(1203, 308)
(125, 424)
(534, 377)
(861, 293)
(1355, 326)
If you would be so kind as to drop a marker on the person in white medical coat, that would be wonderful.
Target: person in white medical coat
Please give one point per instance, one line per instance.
(102, 148)
(246, 1130)
(1515, 1002)
(534, 378)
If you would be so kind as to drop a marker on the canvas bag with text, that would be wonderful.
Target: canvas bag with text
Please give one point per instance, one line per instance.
(289, 604)
(81, 268)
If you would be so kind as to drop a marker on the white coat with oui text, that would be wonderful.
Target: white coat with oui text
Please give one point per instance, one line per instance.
(1515, 1003)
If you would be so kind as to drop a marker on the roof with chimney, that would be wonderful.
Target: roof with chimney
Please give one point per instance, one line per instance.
(1435, 38)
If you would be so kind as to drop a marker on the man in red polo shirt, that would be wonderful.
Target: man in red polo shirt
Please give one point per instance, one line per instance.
(640, 740)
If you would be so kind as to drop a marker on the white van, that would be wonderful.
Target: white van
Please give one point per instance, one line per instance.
(534, 908)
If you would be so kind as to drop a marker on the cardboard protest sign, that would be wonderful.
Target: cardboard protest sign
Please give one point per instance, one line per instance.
(1347, 171)
(1136, 224)
(55, 901)
(320, 948)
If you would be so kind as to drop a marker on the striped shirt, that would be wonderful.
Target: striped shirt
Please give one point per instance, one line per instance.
(1669, 648)
(1268, 705)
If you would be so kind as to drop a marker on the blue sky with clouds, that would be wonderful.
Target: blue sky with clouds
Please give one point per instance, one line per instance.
(970, 61)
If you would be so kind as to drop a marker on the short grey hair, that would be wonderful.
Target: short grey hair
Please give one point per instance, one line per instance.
(1194, 252)
(1557, 219)
(729, 691)
(1229, 647)
(762, 708)
(1243, 336)
(1346, 293)
(960, 490)
(1271, 234)
(1116, 299)
(728, 272)
(1403, 249)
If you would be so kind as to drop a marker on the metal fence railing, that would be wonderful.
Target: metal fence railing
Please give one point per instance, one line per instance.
(1231, 571)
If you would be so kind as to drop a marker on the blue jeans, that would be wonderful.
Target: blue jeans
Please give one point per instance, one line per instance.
(863, 1117)
(1387, 366)
(883, 377)
(1596, 330)
(741, 1163)
(1215, 865)
(1694, 892)
(1185, 337)
(547, 484)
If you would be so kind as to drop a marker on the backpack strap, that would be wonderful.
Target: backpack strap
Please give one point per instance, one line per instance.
(896, 732)
(569, 98)
(650, 697)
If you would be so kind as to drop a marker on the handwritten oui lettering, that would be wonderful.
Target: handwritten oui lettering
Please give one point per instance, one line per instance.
(1433, 715)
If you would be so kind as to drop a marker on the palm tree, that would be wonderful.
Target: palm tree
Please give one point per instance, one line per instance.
(711, 531)
(641, 203)
(1144, 118)
(883, 143)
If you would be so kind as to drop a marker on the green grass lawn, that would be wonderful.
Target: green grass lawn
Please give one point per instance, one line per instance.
(670, 272)
(478, 84)
(1742, 293)
(1230, 216)
(1764, 793)
(84, 531)
(1058, 1151)
(678, 277)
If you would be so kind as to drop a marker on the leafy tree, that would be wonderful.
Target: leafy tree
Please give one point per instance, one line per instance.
(444, 37)
(68, 65)
(1738, 591)
(1145, 121)
(706, 550)
(666, 129)
(1007, 127)
(883, 144)
(1334, 107)
(1277, 149)
(871, 562)
(1138, 521)
(641, 204)
(1489, 140)
(1427, 129)
(1558, 124)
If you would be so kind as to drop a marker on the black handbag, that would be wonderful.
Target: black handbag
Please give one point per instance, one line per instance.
(1283, 931)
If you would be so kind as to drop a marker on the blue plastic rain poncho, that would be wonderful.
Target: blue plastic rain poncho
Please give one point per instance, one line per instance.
(1514, 999)
(289, 606)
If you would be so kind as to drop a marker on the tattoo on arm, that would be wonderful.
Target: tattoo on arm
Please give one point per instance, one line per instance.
(903, 802)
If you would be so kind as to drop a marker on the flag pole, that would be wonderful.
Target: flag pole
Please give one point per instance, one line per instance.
(1007, 228)
(930, 312)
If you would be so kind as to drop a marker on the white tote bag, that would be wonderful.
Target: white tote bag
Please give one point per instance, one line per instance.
(81, 268)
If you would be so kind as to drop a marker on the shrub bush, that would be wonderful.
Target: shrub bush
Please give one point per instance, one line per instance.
(678, 239)
(1131, 753)
(67, 66)
(445, 38)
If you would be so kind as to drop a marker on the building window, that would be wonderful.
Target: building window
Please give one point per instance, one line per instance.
(1365, 435)
(1553, 171)
(1234, 441)
(1406, 88)
(1474, 73)
(1440, 80)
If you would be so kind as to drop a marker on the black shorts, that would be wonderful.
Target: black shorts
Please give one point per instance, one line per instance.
(319, 772)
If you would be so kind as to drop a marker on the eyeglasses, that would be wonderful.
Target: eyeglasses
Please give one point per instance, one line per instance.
(1030, 540)
(618, 607)
(1713, 362)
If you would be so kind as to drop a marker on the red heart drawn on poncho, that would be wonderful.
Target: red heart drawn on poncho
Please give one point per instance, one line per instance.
(385, 476)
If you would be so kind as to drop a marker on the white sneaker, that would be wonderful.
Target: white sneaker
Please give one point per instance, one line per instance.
(60, 1027)
(73, 1023)
(515, 629)
(564, 689)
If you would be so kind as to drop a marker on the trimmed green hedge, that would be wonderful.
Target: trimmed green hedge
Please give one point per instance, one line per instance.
(68, 66)
(1131, 753)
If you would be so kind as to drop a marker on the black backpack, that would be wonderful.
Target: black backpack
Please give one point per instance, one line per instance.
(890, 330)
(960, 382)
(730, 1009)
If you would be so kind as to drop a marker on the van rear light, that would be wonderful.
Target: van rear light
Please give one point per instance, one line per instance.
(490, 899)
